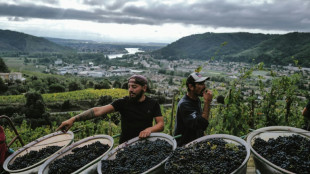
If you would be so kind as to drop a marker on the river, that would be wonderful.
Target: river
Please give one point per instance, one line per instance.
(130, 51)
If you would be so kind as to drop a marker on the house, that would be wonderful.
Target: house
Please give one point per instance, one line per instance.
(95, 74)
(4, 76)
(58, 62)
(83, 73)
(12, 76)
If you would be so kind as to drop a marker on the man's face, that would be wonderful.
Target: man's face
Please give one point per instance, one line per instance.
(136, 91)
(199, 88)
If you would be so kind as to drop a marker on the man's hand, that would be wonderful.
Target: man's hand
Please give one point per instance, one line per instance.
(66, 125)
(145, 133)
(207, 96)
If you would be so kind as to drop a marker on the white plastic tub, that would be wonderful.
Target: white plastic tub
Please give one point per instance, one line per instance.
(54, 139)
(159, 168)
(230, 139)
(262, 165)
(91, 166)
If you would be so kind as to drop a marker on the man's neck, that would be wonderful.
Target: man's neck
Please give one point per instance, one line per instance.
(142, 98)
(192, 96)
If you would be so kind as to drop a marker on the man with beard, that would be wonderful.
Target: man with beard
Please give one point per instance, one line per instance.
(137, 112)
(192, 120)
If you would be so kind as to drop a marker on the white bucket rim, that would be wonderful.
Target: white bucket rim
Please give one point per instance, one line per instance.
(132, 141)
(8, 160)
(283, 129)
(72, 146)
(227, 137)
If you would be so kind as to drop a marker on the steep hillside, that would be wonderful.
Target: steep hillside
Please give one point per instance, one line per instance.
(245, 47)
(204, 46)
(16, 41)
(280, 50)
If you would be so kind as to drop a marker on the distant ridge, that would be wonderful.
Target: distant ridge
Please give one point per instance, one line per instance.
(75, 41)
(12, 41)
(245, 47)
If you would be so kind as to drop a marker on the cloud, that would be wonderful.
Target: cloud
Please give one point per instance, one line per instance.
(17, 19)
(108, 4)
(285, 15)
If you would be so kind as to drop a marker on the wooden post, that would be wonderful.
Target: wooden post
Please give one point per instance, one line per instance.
(251, 121)
(172, 113)
(288, 109)
(110, 126)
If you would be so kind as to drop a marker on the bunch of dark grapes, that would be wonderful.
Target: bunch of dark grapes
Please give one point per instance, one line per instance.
(210, 156)
(33, 157)
(138, 158)
(79, 158)
(291, 153)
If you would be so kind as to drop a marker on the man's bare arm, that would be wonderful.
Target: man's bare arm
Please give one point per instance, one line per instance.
(158, 127)
(207, 102)
(89, 114)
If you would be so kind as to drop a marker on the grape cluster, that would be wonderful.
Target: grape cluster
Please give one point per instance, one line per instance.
(288, 152)
(33, 157)
(138, 158)
(79, 158)
(210, 156)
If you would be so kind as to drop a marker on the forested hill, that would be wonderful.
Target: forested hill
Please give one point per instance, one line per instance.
(271, 49)
(11, 41)
(281, 50)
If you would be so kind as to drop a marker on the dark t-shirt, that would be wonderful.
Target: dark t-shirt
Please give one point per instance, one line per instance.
(135, 116)
(189, 121)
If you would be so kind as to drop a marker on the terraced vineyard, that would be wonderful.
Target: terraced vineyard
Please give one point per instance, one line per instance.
(87, 94)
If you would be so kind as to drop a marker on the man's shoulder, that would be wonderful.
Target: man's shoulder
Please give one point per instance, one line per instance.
(185, 99)
(150, 100)
(308, 105)
(120, 100)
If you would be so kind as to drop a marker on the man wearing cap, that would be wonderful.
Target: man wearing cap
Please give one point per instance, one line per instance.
(137, 112)
(192, 120)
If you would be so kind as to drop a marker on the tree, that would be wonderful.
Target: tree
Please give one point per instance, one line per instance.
(117, 84)
(52, 80)
(125, 85)
(35, 106)
(104, 100)
(56, 88)
(38, 85)
(102, 85)
(90, 84)
(3, 86)
(73, 86)
(170, 81)
(3, 67)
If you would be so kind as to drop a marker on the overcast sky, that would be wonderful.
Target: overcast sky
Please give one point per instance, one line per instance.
(162, 21)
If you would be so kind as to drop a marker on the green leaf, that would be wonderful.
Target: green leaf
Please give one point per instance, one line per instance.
(198, 69)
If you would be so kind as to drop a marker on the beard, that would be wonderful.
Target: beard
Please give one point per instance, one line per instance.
(136, 97)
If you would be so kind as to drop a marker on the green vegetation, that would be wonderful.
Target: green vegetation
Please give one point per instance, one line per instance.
(11, 41)
(243, 47)
(250, 100)
(281, 50)
(201, 46)
(18, 64)
(80, 95)
(3, 67)
(241, 112)
(50, 83)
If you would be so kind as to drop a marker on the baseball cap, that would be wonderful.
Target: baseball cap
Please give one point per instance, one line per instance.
(138, 79)
(196, 77)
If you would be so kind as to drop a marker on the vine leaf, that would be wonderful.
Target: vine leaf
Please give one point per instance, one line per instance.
(198, 69)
